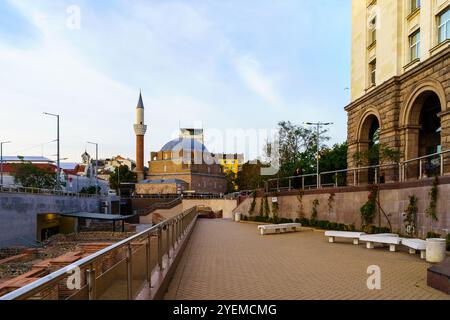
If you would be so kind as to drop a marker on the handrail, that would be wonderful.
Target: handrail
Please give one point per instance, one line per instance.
(427, 156)
(21, 189)
(161, 205)
(34, 287)
(401, 165)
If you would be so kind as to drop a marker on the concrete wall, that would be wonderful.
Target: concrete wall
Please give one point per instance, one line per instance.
(215, 204)
(345, 208)
(18, 214)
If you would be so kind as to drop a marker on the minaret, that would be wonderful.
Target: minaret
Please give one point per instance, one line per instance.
(140, 128)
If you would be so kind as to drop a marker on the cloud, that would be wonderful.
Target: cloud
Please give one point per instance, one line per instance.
(250, 71)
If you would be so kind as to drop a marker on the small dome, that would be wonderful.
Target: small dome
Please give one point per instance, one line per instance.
(185, 144)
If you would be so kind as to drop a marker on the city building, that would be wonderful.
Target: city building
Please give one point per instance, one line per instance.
(400, 79)
(109, 165)
(231, 163)
(185, 159)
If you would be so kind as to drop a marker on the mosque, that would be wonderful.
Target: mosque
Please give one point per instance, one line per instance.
(183, 165)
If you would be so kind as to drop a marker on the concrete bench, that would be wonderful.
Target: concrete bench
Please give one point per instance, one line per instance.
(343, 234)
(279, 228)
(390, 239)
(414, 245)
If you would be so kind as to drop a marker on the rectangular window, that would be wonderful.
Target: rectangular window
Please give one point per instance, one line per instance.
(444, 26)
(414, 46)
(415, 4)
(373, 30)
(372, 72)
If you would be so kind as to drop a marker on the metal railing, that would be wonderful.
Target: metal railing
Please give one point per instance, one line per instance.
(119, 271)
(160, 205)
(20, 189)
(413, 169)
(172, 196)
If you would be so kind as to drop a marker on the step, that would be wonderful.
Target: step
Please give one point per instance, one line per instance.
(438, 276)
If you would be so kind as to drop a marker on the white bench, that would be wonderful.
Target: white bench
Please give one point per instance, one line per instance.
(414, 245)
(279, 228)
(343, 234)
(390, 239)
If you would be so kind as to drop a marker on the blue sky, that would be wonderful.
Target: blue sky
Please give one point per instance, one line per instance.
(226, 65)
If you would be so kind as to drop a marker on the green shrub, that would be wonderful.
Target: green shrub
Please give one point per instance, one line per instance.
(305, 222)
(448, 242)
(432, 234)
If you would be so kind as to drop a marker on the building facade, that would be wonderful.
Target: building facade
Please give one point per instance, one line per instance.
(400, 80)
(185, 159)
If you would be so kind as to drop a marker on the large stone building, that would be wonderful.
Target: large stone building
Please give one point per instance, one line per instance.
(184, 165)
(400, 79)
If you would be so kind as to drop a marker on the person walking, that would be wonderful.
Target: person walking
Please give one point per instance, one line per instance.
(297, 180)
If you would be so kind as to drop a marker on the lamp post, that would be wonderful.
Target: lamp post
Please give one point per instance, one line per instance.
(96, 166)
(58, 169)
(1, 160)
(318, 125)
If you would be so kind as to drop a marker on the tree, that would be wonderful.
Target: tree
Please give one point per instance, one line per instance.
(121, 174)
(29, 175)
(249, 178)
(334, 158)
(297, 148)
(90, 190)
(231, 182)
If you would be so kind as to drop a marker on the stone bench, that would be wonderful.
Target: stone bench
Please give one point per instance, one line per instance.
(390, 239)
(343, 234)
(414, 245)
(279, 228)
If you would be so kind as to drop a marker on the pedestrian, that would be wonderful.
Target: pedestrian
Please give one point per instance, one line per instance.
(297, 178)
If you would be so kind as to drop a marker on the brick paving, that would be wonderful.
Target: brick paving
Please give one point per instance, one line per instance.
(226, 260)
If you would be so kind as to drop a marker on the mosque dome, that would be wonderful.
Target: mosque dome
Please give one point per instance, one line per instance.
(186, 145)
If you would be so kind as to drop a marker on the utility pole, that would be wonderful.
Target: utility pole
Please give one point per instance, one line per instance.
(1, 160)
(96, 166)
(318, 126)
(58, 168)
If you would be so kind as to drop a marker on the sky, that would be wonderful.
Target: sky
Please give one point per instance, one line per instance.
(235, 68)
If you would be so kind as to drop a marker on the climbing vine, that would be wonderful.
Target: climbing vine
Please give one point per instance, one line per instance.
(411, 216)
(275, 207)
(433, 194)
(253, 204)
(330, 202)
(261, 208)
(315, 204)
(368, 210)
(266, 206)
(300, 201)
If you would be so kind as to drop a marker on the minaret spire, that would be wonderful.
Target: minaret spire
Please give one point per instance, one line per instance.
(139, 129)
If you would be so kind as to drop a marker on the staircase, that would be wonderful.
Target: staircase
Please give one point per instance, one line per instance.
(161, 205)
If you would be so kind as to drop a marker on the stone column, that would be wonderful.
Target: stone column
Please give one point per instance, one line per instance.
(445, 139)
(411, 143)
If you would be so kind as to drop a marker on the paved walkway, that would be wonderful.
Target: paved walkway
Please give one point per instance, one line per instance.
(225, 260)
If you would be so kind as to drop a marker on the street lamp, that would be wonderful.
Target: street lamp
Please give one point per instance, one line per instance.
(58, 169)
(318, 125)
(1, 160)
(96, 166)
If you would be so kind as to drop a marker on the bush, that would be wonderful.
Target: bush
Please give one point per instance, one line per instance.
(305, 222)
(432, 234)
(371, 229)
(448, 242)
